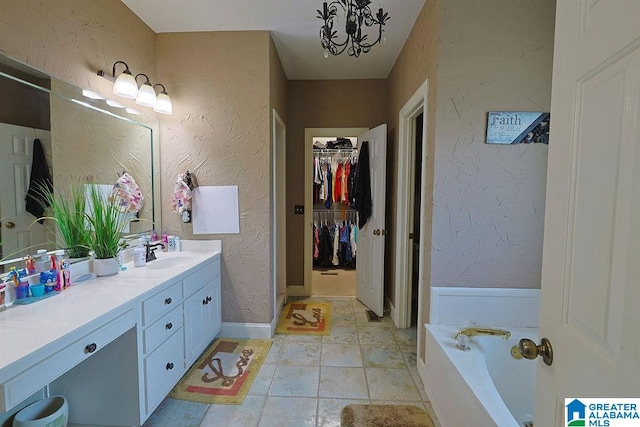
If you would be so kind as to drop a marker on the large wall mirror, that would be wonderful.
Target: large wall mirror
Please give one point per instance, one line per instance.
(83, 139)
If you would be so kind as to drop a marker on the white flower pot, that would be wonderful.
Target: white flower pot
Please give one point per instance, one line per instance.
(106, 267)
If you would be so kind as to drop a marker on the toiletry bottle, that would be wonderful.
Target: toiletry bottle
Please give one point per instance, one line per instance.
(165, 242)
(42, 261)
(139, 255)
(178, 246)
(30, 265)
(172, 243)
(64, 272)
(154, 236)
(56, 264)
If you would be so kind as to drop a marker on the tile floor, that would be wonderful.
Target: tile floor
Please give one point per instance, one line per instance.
(307, 380)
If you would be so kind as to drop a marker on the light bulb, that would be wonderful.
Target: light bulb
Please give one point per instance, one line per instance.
(126, 86)
(163, 104)
(146, 96)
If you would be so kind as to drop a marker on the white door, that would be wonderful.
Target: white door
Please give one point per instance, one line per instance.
(370, 251)
(591, 261)
(20, 235)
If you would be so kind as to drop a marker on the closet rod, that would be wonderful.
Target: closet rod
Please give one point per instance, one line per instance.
(334, 150)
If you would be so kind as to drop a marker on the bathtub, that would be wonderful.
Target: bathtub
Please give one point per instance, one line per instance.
(485, 386)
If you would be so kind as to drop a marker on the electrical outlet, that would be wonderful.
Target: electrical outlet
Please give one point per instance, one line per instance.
(299, 209)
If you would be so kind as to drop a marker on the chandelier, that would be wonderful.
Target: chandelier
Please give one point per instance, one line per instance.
(357, 18)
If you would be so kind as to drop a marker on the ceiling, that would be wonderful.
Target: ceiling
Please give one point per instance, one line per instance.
(294, 28)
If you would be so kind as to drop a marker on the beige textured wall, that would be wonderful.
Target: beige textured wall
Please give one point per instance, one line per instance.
(495, 55)
(72, 39)
(322, 104)
(220, 130)
(416, 63)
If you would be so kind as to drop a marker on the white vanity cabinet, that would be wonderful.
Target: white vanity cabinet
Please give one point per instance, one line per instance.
(117, 345)
(202, 310)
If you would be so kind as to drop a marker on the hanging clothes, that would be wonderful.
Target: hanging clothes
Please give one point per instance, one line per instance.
(345, 183)
(337, 189)
(40, 183)
(328, 201)
(363, 202)
(336, 244)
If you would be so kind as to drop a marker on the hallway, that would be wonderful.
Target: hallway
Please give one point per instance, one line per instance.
(307, 380)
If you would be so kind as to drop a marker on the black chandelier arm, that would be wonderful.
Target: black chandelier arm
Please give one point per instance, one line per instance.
(358, 15)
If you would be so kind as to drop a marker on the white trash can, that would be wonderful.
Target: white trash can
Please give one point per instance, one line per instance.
(50, 412)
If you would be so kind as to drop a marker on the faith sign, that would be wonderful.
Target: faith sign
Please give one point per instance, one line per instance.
(515, 127)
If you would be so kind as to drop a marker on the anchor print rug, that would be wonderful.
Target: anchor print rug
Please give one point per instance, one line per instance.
(224, 373)
(305, 318)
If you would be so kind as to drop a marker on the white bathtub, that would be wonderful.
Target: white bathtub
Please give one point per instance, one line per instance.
(485, 386)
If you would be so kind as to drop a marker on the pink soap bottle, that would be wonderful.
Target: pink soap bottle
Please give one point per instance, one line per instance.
(165, 241)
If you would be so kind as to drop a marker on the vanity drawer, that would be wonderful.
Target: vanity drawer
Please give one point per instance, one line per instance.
(197, 280)
(162, 329)
(161, 303)
(54, 365)
(162, 370)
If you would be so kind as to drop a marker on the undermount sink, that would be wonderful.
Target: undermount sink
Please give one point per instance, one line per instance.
(167, 262)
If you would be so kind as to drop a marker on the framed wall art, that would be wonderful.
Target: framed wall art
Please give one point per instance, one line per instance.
(515, 127)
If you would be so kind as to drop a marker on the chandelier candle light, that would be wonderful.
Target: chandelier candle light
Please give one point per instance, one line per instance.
(357, 17)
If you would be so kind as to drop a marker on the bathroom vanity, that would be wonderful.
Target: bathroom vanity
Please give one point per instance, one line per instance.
(115, 346)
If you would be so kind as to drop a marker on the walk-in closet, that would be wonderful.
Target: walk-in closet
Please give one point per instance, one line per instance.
(335, 220)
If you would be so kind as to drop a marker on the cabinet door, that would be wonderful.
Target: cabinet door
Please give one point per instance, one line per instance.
(214, 309)
(195, 325)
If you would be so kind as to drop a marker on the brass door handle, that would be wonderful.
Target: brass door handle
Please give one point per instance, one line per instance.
(9, 224)
(376, 232)
(530, 350)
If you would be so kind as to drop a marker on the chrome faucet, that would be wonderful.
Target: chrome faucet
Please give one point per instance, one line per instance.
(464, 335)
(151, 250)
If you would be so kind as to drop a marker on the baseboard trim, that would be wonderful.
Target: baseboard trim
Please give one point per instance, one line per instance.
(248, 330)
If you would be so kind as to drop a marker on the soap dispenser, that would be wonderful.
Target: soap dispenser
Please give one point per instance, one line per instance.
(139, 255)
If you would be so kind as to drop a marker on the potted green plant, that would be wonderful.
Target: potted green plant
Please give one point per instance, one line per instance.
(106, 223)
(66, 208)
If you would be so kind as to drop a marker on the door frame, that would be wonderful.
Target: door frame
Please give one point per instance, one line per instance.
(401, 310)
(278, 224)
(309, 133)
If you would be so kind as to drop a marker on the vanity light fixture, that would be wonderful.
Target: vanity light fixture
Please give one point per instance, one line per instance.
(163, 102)
(125, 85)
(146, 93)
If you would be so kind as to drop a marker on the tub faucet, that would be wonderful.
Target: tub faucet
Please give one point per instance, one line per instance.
(464, 335)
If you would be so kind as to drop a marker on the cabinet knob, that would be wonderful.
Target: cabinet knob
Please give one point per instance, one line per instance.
(208, 298)
(169, 325)
(205, 301)
(168, 301)
(169, 366)
(90, 348)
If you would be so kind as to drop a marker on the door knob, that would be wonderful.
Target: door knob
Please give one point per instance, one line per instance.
(9, 224)
(376, 232)
(530, 350)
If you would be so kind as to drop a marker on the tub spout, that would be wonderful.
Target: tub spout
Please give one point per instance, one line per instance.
(463, 337)
(472, 331)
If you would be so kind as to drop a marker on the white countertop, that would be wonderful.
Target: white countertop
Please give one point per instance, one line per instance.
(29, 331)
